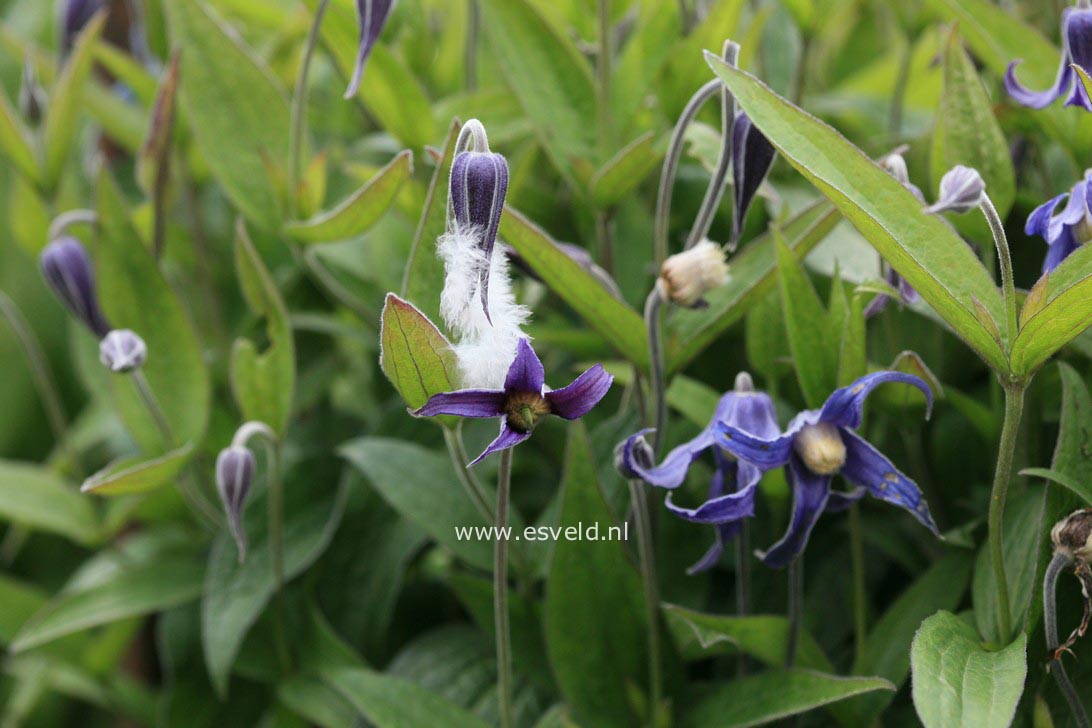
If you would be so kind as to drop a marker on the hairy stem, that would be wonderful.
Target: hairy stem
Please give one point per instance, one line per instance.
(453, 440)
(654, 324)
(715, 191)
(1014, 405)
(649, 581)
(299, 106)
(1001, 241)
(743, 583)
(500, 592)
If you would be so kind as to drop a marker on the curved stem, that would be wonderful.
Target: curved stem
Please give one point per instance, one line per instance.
(1014, 405)
(43, 378)
(1050, 621)
(860, 606)
(65, 220)
(654, 324)
(500, 592)
(453, 440)
(1001, 241)
(796, 608)
(647, 557)
(299, 107)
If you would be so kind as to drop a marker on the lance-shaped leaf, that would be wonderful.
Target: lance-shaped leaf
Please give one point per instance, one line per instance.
(763, 637)
(957, 682)
(236, 108)
(360, 210)
(15, 140)
(153, 160)
(263, 383)
(614, 320)
(138, 474)
(1065, 310)
(34, 497)
(624, 171)
(415, 356)
(922, 248)
(392, 702)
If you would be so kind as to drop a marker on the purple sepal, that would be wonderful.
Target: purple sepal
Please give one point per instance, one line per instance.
(810, 493)
(525, 374)
(67, 270)
(868, 467)
(845, 406)
(506, 439)
(1058, 250)
(464, 403)
(577, 399)
(373, 16)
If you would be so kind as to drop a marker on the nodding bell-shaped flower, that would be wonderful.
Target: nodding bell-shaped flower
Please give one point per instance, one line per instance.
(523, 401)
(819, 444)
(686, 277)
(752, 158)
(1076, 50)
(961, 190)
(122, 351)
(479, 184)
(1067, 230)
(234, 475)
(67, 270)
(1072, 535)
(373, 16)
(75, 14)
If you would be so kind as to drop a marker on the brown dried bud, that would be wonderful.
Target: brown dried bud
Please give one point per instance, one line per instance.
(1073, 535)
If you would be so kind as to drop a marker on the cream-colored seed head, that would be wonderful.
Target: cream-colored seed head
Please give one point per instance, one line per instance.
(687, 276)
(821, 448)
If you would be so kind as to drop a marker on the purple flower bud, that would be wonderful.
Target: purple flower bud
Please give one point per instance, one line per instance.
(122, 351)
(373, 16)
(68, 272)
(234, 474)
(752, 158)
(634, 453)
(961, 190)
(479, 184)
(75, 14)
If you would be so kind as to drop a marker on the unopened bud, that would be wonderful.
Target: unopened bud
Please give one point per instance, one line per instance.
(373, 16)
(687, 276)
(234, 474)
(821, 448)
(1072, 535)
(961, 190)
(122, 351)
(633, 453)
(752, 158)
(67, 270)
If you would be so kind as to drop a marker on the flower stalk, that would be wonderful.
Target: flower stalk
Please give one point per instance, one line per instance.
(299, 106)
(1001, 241)
(1014, 405)
(500, 592)
(651, 585)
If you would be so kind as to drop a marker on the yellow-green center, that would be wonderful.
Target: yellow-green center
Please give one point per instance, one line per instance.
(523, 410)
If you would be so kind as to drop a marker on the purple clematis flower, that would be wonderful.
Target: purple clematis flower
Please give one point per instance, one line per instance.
(731, 496)
(752, 158)
(373, 16)
(1076, 50)
(819, 444)
(67, 270)
(1069, 229)
(524, 401)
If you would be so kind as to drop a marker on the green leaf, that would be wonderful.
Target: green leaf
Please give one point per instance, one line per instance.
(957, 682)
(774, 695)
(236, 594)
(38, 499)
(130, 592)
(806, 323)
(614, 320)
(998, 38)
(763, 637)
(923, 249)
(263, 383)
(887, 647)
(360, 210)
(1081, 490)
(692, 399)
(417, 359)
(548, 75)
(62, 113)
(753, 274)
(424, 274)
(1066, 313)
(138, 474)
(390, 702)
(418, 483)
(595, 633)
(136, 296)
(853, 357)
(967, 131)
(236, 109)
(16, 142)
(626, 170)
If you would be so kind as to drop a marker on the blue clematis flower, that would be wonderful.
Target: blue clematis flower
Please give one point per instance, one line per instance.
(1069, 229)
(731, 494)
(524, 401)
(819, 444)
(373, 16)
(1076, 50)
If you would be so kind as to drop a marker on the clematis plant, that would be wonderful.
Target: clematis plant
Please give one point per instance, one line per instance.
(819, 444)
(373, 16)
(1076, 50)
(1067, 230)
(524, 400)
(895, 165)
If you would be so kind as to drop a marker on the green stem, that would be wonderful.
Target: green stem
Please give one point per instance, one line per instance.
(1008, 289)
(500, 592)
(647, 557)
(654, 324)
(299, 107)
(715, 190)
(43, 378)
(471, 61)
(898, 94)
(801, 69)
(796, 608)
(860, 605)
(1014, 404)
(454, 441)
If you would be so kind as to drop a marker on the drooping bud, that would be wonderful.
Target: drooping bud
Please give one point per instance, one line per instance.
(961, 190)
(479, 184)
(122, 351)
(821, 448)
(373, 16)
(633, 453)
(1073, 535)
(752, 158)
(75, 14)
(67, 270)
(687, 276)
(32, 97)
(234, 474)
